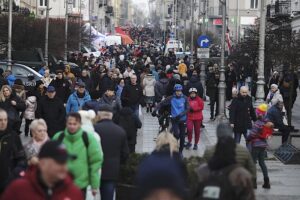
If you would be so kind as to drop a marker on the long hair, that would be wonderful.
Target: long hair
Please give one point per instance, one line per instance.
(2, 97)
(224, 154)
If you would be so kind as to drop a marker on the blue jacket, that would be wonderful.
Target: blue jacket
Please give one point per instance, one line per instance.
(42, 71)
(75, 103)
(276, 117)
(179, 106)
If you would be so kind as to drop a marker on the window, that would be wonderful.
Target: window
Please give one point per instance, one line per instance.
(253, 4)
(43, 2)
(74, 3)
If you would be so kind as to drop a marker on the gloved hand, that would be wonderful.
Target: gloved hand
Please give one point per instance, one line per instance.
(153, 114)
(191, 110)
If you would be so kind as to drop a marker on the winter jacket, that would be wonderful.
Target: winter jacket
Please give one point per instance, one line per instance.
(241, 114)
(88, 82)
(74, 103)
(62, 88)
(161, 88)
(194, 83)
(130, 123)
(13, 111)
(12, 156)
(240, 181)
(182, 68)
(31, 106)
(105, 83)
(149, 83)
(85, 168)
(179, 106)
(131, 95)
(274, 98)
(275, 115)
(119, 91)
(114, 102)
(32, 187)
(53, 112)
(212, 86)
(254, 136)
(115, 148)
(242, 156)
(196, 108)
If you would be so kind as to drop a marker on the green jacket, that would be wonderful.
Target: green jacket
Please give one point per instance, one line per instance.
(243, 157)
(86, 168)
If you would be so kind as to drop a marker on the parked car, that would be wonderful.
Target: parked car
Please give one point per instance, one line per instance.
(21, 72)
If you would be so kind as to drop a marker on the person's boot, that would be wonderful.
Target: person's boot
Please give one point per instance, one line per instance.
(151, 109)
(148, 109)
(266, 184)
(254, 183)
(195, 147)
(188, 146)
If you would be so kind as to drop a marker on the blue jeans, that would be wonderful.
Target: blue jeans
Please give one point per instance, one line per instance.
(259, 154)
(238, 136)
(107, 190)
(178, 129)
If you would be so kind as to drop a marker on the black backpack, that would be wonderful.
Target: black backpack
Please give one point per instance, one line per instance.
(217, 186)
(84, 138)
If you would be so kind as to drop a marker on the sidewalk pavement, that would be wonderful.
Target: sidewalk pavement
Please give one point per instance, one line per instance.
(285, 184)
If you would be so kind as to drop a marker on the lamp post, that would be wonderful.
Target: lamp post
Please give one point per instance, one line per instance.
(260, 93)
(192, 30)
(222, 85)
(66, 33)
(47, 32)
(80, 21)
(9, 46)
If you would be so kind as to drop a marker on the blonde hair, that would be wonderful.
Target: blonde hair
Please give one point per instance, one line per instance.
(2, 97)
(37, 122)
(166, 138)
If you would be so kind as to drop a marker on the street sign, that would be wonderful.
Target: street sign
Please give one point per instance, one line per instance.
(202, 53)
(203, 41)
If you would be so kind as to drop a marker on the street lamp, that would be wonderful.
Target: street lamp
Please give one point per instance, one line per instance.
(260, 93)
(9, 46)
(66, 33)
(222, 85)
(47, 32)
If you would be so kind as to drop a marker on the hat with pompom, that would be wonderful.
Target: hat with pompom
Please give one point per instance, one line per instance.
(262, 109)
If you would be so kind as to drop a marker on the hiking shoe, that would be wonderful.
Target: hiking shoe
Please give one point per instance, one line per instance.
(188, 146)
(195, 147)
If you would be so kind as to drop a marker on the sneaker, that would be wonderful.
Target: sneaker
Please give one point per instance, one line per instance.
(188, 146)
(195, 147)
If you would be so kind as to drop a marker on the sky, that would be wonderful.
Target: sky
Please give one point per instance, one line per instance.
(143, 5)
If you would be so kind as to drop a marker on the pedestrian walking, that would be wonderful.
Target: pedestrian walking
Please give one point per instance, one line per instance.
(29, 114)
(84, 146)
(161, 87)
(194, 82)
(38, 128)
(130, 123)
(49, 179)
(258, 141)
(212, 93)
(194, 118)
(62, 86)
(12, 154)
(78, 98)
(148, 91)
(115, 150)
(241, 114)
(52, 110)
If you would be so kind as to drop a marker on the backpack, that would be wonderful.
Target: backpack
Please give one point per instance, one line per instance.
(84, 138)
(217, 186)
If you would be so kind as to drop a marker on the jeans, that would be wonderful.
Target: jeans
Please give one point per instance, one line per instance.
(285, 130)
(238, 136)
(107, 190)
(259, 153)
(178, 128)
(194, 125)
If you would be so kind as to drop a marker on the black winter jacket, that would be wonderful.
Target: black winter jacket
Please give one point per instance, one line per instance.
(53, 112)
(114, 146)
(62, 88)
(161, 88)
(194, 83)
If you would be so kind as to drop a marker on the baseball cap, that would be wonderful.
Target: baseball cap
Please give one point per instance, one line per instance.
(80, 84)
(57, 151)
(51, 89)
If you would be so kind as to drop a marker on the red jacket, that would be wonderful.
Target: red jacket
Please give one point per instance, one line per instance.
(197, 106)
(29, 187)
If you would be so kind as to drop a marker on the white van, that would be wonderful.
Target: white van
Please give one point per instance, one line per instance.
(174, 46)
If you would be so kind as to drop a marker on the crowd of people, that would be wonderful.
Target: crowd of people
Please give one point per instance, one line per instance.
(86, 124)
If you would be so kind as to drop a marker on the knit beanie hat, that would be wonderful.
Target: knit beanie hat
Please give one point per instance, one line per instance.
(262, 109)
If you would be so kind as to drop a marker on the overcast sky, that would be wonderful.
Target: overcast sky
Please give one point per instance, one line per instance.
(143, 5)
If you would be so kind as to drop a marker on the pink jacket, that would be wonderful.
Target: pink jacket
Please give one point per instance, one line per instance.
(197, 106)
